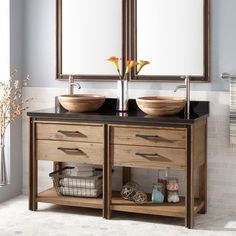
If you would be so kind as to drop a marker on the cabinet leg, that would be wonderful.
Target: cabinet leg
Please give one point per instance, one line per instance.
(203, 188)
(33, 205)
(33, 170)
(109, 190)
(189, 184)
(104, 190)
(108, 179)
(203, 179)
(105, 204)
(189, 206)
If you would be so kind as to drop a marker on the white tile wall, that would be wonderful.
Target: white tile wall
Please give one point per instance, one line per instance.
(221, 161)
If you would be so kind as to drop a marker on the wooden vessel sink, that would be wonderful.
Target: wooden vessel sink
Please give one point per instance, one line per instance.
(161, 105)
(81, 102)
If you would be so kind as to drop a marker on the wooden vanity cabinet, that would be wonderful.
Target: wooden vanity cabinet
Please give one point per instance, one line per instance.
(128, 145)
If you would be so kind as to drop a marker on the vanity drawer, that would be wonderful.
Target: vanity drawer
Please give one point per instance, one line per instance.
(147, 157)
(60, 151)
(156, 137)
(70, 132)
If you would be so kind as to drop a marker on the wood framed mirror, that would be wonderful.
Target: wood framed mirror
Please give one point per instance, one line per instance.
(88, 32)
(174, 35)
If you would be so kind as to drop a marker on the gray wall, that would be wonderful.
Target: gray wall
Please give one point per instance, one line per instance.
(39, 57)
(16, 53)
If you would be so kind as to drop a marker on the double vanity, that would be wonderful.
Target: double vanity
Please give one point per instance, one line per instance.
(129, 140)
(175, 38)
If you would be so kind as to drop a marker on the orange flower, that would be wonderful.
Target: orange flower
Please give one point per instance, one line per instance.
(115, 61)
(129, 65)
(141, 65)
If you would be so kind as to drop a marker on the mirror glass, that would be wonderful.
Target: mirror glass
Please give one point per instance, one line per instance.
(91, 31)
(170, 34)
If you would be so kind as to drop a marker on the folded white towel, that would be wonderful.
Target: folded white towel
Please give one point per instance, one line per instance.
(81, 174)
(84, 168)
(82, 171)
(80, 183)
(81, 192)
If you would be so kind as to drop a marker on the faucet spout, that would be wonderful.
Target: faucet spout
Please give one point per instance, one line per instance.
(72, 84)
(179, 87)
(186, 85)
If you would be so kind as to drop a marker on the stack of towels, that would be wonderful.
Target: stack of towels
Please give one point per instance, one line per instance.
(82, 182)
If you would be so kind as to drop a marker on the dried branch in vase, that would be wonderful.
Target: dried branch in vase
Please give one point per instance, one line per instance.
(11, 103)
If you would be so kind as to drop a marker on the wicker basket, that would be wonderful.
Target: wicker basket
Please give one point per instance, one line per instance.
(68, 185)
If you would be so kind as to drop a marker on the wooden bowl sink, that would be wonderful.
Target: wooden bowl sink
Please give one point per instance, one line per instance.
(81, 102)
(161, 105)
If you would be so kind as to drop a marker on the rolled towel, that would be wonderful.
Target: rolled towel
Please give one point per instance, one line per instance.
(81, 192)
(80, 183)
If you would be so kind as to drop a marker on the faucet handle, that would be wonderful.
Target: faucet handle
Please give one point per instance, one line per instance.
(77, 84)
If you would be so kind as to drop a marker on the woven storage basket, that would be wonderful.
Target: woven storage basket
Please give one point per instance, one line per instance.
(68, 185)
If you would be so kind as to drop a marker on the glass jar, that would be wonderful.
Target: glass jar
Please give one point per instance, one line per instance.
(163, 178)
(158, 192)
(172, 184)
(173, 190)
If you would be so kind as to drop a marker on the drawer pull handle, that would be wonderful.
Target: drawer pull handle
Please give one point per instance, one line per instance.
(147, 136)
(153, 138)
(76, 150)
(76, 133)
(153, 157)
(147, 154)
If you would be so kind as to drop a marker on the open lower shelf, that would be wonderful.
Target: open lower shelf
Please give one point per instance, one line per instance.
(50, 196)
(119, 204)
(165, 209)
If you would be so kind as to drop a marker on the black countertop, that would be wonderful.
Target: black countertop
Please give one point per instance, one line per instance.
(108, 114)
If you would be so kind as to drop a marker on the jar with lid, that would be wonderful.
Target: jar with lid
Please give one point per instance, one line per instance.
(158, 193)
(173, 190)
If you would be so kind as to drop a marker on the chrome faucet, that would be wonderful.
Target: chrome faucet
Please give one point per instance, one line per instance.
(186, 85)
(72, 84)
